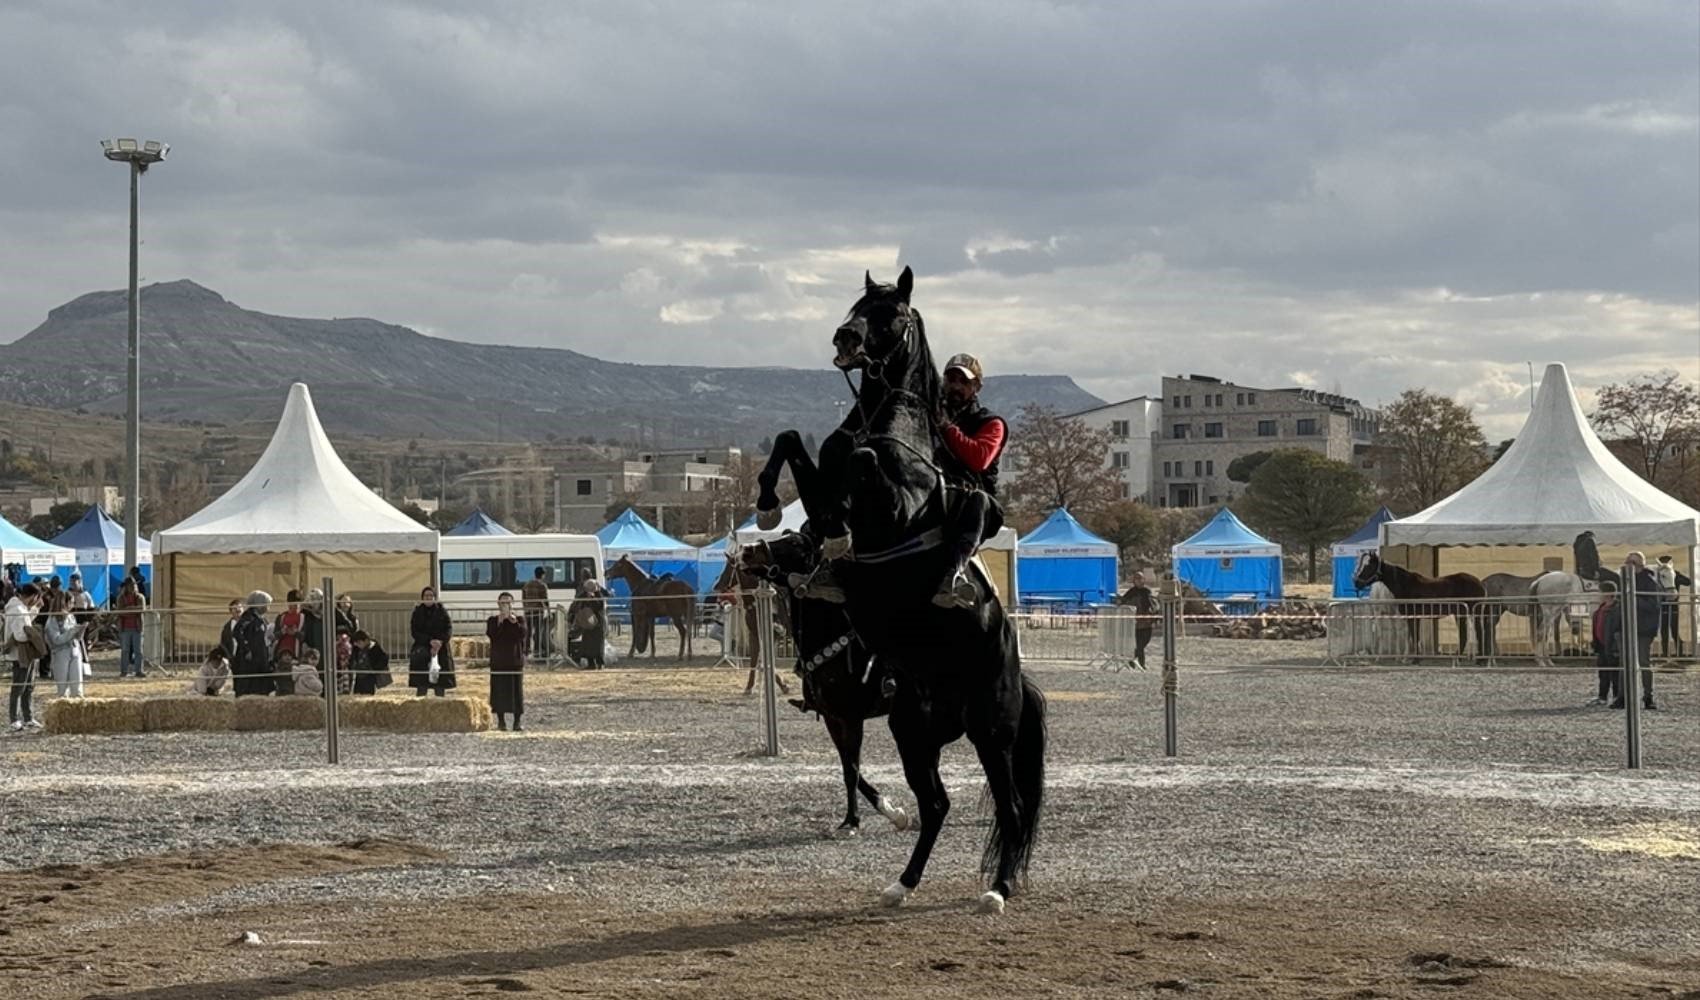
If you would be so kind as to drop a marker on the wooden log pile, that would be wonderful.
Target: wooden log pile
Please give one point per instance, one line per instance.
(1294, 619)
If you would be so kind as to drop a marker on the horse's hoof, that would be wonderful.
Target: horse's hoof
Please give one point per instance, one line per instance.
(894, 894)
(899, 818)
(990, 902)
(845, 831)
(835, 548)
(767, 520)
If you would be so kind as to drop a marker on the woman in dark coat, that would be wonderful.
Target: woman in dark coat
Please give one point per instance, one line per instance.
(251, 667)
(431, 630)
(347, 622)
(506, 630)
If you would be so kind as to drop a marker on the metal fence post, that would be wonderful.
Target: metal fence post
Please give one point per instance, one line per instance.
(1171, 627)
(327, 638)
(769, 681)
(1630, 689)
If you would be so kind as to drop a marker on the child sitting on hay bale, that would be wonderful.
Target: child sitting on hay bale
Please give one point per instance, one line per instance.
(215, 673)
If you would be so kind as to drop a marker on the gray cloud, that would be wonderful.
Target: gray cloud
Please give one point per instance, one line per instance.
(1108, 190)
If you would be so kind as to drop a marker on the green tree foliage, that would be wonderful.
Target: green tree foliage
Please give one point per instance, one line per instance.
(1240, 469)
(1130, 524)
(1306, 500)
(1431, 447)
(58, 517)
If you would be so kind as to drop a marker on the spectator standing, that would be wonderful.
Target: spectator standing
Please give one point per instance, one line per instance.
(1144, 605)
(251, 666)
(347, 622)
(140, 581)
(535, 596)
(287, 638)
(1670, 629)
(430, 628)
(130, 605)
(313, 623)
(65, 643)
(227, 635)
(1648, 599)
(23, 647)
(1607, 624)
(507, 633)
(369, 664)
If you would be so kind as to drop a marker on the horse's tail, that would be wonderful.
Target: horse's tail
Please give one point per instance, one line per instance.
(1028, 757)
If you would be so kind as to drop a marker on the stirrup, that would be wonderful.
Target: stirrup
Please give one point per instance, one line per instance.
(958, 593)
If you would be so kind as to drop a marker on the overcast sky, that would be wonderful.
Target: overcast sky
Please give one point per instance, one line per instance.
(1356, 196)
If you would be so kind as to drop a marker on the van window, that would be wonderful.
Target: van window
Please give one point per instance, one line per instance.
(471, 574)
(560, 572)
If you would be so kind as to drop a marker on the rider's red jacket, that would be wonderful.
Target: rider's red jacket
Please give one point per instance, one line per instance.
(979, 450)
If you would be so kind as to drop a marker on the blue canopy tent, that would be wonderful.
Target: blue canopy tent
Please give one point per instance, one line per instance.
(711, 561)
(1061, 562)
(98, 541)
(655, 553)
(1228, 562)
(1348, 550)
(477, 523)
(25, 557)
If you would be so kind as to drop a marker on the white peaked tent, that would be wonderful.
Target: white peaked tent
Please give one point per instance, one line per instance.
(298, 515)
(1556, 481)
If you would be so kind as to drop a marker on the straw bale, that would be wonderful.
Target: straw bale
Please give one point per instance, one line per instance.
(466, 648)
(197, 713)
(277, 713)
(415, 715)
(93, 715)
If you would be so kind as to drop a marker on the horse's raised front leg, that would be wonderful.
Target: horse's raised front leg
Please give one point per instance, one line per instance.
(789, 451)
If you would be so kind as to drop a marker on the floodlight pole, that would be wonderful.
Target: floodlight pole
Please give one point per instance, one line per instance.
(133, 409)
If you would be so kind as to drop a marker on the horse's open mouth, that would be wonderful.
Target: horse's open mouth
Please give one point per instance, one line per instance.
(845, 362)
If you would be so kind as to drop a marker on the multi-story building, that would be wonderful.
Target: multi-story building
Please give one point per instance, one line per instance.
(1132, 424)
(664, 478)
(1206, 423)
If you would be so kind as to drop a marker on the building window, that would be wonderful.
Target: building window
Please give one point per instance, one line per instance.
(1198, 468)
(1210, 468)
(1218, 399)
(1307, 427)
(1212, 430)
(1177, 402)
(582, 488)
(1166, 468)
(1239, 399)
(1186, 402)
(1119, 429)
(1213, 500)
(1118, 460)
(1266, 428)
(1125, 493)
(1251, 399)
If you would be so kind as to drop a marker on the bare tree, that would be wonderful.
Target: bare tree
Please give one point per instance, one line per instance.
(1430, 446)
(1655, 417)
(1058, 461)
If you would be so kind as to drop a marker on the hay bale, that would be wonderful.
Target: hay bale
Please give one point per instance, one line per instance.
(295, 711)
(197, 713)
(415, 715)
(466, 648)
(93, 715)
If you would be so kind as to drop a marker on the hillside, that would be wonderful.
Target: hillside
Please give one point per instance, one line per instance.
(206, 359)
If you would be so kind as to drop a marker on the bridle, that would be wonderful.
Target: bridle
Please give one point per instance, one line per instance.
(827, 653)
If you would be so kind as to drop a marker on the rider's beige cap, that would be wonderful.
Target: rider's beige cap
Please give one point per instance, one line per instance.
(966, 363)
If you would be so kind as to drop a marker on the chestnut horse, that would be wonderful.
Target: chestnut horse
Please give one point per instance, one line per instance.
(656, 598)
(1458, 594)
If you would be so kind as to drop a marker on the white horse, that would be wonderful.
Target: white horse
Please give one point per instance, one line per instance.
(1555, 594)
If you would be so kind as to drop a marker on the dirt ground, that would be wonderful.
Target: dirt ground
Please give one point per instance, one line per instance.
(66, 930)
(1324, 834)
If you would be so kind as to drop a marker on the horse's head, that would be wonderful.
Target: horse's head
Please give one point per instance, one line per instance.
(1369, 570)
(776, 559)
(880, 328)
(624, 569)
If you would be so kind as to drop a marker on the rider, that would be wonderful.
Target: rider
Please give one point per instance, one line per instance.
(975, 438)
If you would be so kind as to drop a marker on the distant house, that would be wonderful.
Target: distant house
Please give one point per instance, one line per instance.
(1132, 424)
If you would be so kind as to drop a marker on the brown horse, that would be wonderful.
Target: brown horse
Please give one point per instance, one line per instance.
(654, 599)
(1458, 594)
(744, 583)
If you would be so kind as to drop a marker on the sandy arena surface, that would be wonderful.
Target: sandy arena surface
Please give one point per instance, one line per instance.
(1359, 834)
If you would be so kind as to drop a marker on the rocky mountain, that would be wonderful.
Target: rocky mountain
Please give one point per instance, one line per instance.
(207, 359)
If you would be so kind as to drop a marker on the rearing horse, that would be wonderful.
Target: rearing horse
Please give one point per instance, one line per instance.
(880, 500)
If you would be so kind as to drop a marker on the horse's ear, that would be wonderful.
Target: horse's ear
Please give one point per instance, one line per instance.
(905, 284)
(868, 281)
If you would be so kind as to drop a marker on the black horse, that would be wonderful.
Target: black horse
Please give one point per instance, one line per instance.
(839, 680)
(881, 501)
